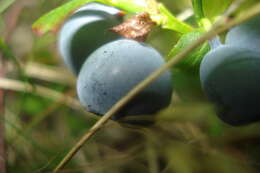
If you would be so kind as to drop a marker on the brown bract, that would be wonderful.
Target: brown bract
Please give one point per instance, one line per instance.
(137, 27)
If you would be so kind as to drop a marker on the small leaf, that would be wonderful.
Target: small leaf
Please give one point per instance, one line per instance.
(159, 14)
(214, 8)
(192, 61)
(52, 20)
(168, 21)
(133, 6)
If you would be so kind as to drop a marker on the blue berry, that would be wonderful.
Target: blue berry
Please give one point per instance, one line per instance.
(246, 35)
(114, 69)
(85, 31)
(98, 7)
(230, 78)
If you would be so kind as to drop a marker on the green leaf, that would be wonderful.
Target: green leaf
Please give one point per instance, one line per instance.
(192, 61)
(54, 18)
(159, 14)
(214, 8)
(133, 6)
(4, 4)
(168, 21)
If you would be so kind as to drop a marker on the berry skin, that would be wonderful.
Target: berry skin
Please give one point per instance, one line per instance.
(114, 69)
(85, 31)
(230, 78)
(245, 35)
(94, 6)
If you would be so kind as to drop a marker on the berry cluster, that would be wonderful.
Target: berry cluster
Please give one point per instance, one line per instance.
(108, 66)
(230, 74)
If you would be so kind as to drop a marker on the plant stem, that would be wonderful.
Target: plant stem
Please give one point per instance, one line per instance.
(220, 27)
(202, 21)
(198, 9)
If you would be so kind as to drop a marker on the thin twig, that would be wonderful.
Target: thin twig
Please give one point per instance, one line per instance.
(14, 85)
(233, 7)
(45, 73)
(10, 84)
(216, 29)
(49, 73)
(185, 14)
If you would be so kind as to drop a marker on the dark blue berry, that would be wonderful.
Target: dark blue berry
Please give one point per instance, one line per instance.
(230, 77)
(85, 31)
(117, 67)
(246, 35)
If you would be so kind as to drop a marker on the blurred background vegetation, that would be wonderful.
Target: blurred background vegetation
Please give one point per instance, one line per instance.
(43, 119)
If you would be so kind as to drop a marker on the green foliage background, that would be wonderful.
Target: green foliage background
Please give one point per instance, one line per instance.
(41, 127)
